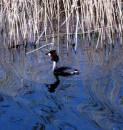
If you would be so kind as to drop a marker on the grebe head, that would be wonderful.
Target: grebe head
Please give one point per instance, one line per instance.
(54, 57)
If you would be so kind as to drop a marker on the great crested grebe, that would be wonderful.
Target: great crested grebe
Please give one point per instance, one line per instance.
(59, 71)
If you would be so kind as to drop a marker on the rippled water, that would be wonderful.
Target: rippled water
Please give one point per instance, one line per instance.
(92, 100)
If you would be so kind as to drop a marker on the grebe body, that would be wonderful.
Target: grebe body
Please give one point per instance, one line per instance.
(60, 71)
(65, 71)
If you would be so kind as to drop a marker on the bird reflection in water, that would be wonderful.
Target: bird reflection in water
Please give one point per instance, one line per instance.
(52, 87)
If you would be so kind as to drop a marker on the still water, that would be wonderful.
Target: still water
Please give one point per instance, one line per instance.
(92, 100)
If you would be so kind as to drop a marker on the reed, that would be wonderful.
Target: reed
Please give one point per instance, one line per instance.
(32, 20)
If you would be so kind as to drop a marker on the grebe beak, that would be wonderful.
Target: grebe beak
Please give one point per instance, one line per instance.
(48, 54)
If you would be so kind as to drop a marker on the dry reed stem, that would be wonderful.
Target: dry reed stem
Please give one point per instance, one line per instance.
(31, 20)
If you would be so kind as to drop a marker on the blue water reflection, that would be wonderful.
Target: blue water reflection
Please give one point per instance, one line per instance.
(92, 100)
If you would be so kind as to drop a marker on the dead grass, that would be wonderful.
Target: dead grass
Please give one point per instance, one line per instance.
(32, 20)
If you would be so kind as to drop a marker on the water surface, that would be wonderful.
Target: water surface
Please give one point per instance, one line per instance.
(92, 100)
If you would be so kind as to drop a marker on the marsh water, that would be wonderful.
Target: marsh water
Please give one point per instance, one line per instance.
(92, 100)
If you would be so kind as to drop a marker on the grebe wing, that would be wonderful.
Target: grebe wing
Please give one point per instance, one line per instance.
(61, 69)
(65, 71)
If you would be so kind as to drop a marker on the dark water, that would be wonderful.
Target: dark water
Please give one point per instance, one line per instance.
(92, 100)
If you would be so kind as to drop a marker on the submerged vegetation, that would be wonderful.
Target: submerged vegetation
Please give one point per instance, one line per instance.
(23, 21)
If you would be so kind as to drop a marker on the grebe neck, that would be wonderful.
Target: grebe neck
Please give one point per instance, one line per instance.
(54, 65)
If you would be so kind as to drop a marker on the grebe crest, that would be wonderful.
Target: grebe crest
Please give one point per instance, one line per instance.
(53, 55)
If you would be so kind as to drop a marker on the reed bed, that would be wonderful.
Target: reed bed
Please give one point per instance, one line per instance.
(23, 21)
